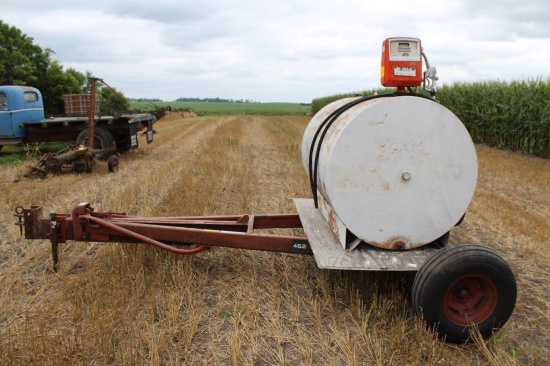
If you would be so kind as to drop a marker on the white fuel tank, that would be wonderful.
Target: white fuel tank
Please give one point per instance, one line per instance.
(396, 172)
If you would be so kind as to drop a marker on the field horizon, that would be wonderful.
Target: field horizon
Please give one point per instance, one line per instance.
(204, 108)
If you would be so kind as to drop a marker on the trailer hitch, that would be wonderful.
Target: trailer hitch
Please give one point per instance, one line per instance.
(167, 233)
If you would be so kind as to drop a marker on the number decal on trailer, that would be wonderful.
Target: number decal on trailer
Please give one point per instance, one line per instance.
(300, 247)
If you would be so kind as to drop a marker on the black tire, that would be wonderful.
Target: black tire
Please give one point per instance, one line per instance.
(1, 147)
(462, 286)
(123, 143)
(112, 163)
(102, 140)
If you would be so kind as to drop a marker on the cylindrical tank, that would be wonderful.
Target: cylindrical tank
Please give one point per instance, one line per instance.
(398, 171)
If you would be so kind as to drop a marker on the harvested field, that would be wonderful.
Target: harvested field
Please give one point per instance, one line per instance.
(126, 304)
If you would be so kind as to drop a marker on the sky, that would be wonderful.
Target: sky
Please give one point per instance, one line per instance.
(281, 51)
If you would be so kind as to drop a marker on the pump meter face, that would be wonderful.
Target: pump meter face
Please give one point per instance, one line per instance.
(401, 50)
(401, 62)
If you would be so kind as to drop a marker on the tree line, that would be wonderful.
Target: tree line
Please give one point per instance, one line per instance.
(24, 63)
(216, 100)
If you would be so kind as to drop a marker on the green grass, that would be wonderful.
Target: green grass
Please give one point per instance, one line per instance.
(221, 108)
(318, 103)
(11, 155)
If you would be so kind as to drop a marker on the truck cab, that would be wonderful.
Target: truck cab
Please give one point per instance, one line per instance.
(18, 104)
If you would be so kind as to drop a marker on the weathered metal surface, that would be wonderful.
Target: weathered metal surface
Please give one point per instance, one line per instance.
(86, 224)
(22, 120)
(397, 172)
(329, 253)
(237, 231)
(74, 160)
(91, 112)
(79, 104)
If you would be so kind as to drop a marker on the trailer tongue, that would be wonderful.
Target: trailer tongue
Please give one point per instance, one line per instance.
(86, 224)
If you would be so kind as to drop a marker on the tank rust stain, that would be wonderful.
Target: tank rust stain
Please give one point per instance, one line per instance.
(396, 243)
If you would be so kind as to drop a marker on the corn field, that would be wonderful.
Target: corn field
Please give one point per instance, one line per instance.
(508, 115)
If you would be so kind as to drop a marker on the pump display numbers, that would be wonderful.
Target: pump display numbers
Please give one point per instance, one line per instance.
(404, 50)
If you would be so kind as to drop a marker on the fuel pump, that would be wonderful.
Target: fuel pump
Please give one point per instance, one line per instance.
(401, 65)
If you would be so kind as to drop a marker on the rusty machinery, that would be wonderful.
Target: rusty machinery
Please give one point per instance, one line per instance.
(74, 159)
(92, 81)
(79, 159)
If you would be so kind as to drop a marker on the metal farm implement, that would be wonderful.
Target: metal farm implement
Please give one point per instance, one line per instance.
(75, 159)
(456, 287)
(390, 176)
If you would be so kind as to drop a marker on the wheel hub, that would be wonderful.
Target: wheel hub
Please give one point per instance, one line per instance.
(470, 300)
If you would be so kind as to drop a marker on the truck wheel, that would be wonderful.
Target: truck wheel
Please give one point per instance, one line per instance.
(463, 286)
(102, 139)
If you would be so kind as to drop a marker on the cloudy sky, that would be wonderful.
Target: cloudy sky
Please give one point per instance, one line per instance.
(281, 51)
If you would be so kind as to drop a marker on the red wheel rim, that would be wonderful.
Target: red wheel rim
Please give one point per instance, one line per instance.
(470, 300)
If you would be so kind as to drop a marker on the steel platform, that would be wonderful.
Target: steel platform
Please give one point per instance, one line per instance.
(330, 254)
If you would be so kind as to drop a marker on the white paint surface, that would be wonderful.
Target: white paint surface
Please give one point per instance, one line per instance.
(398, 171)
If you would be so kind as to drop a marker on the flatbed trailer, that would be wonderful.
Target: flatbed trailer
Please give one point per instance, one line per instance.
(22, 120)
(122, 130)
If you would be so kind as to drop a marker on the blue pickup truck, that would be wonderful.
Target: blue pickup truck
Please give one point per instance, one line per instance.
(22, 120)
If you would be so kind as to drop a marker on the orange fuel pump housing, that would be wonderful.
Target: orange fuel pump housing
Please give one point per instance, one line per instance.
(401, 62)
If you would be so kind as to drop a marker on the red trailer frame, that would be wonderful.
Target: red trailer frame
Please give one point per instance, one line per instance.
(236, 231)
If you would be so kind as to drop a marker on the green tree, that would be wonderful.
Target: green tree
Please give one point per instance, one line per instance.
(24, 63)
(56, 82)
(21, 61)
(111, 103)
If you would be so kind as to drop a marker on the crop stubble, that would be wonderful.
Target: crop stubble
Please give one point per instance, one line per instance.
(127, 304)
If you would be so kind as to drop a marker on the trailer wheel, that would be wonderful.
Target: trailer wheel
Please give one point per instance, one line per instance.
(112, 163)
(123, 143)
(462, 286)
(102, 140)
